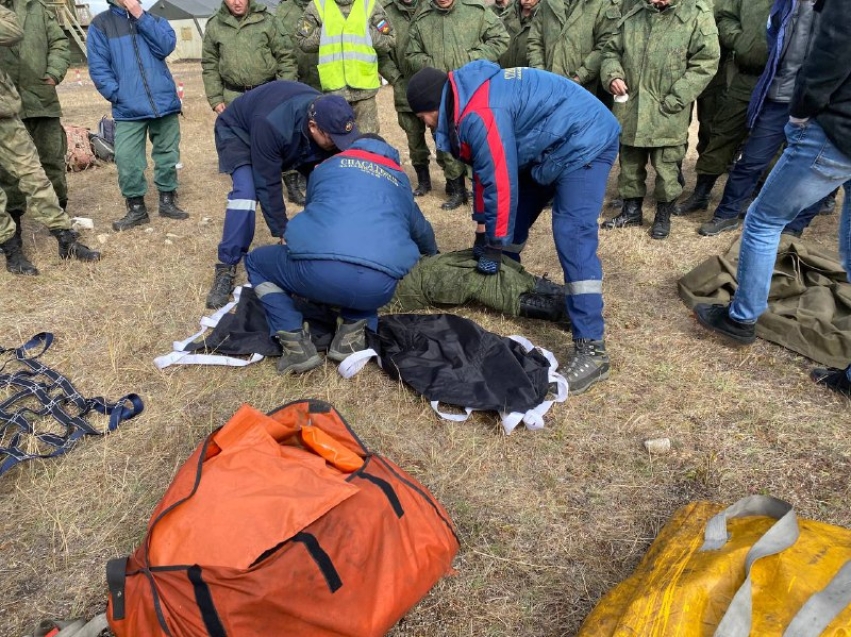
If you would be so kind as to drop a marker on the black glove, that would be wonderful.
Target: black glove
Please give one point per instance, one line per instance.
(490, 261)
(479, 245)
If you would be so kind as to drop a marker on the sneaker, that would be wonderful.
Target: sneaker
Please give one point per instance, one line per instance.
(350, 338)
(299, 354)
(832, 378)
(716, 318)
(717, 225)
(588, 364)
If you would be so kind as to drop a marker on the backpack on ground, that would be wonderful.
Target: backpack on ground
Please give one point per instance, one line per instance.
(80, 154)
(750, 569)
(283, 524)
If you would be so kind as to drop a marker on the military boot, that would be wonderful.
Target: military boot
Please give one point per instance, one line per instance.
(350, 338)
(662, 223)
(16, 217)
(631, 215)
(294, 193)
(699, 199)
(423, 180)
(299, 354)
(457, 193)
(545, 287)
(70, 247)
(16, 262)
(222, 286)
(137, 214)
(542, 308)
(168, 206)
(587, 364)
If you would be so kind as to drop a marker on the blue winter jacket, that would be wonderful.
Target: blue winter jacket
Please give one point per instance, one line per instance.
(503, 121)
(360, 210)
(127, 64)
(778, 19)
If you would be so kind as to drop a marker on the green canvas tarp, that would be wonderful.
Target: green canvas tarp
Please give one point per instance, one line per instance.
(809, 305)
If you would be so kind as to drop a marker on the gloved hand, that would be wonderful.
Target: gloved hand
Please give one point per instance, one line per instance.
(490, 261)
(479, 245)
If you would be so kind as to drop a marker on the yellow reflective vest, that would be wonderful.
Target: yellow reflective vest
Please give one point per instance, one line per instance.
(346, 54)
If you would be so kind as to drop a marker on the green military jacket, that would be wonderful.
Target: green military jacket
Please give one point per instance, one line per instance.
(567, 37)
(10, 35)
(667, 58)
(517, 26)
(447, 39)
(289, 16)
(43, 52)
(394, 66)
(499, 11)
(243, 52)
(381, 30)
(741, 29)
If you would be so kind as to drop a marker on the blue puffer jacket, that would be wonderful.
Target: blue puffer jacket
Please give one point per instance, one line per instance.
(360, 210)
(127, 64)
(778, 20)
(503, 121)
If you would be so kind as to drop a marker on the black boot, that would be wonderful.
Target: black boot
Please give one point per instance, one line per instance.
(70, 247)
(168, 206)
(222, 286)
(542, 308)
(699, 199)
(423, 180)
(662, 223)
(457, 193)
(294, 193)
(137, 214)
(16, 262)
(631, 215)
(545, 287)
(17, 214)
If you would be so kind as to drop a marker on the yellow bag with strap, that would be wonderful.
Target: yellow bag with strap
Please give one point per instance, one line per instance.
(753, 569)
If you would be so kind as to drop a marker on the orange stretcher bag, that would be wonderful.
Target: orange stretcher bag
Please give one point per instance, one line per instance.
(282, 524)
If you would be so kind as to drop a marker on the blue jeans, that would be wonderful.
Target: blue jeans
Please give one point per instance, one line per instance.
(811, 168)
(357, 290)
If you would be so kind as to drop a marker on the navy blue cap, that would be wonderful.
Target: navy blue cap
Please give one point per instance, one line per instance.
(335, 117)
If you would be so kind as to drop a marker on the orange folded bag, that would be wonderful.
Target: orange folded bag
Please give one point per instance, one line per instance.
(282, 524)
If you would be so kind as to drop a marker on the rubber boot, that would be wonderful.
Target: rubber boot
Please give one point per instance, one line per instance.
(662, 223)
(168, 206)
(423, 180)
(294, 193)
(137, 214)
(457, 194)
(70, 247)
(16, 262)
(222, 286)
(631, 215)
(699, 199)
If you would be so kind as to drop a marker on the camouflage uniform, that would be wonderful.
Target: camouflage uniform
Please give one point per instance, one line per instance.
(362, 100)
(17, 152)
(241, 53)
(666, 59)
(395, 69)
(289, 16)
(568, 37)
(517, 26)
(42, 53)
(447, 39)
(499, 10)
(709, 101)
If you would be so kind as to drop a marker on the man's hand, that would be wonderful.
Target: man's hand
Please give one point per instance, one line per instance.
(218, 108)
(133, 8)
(49, 80)
(618, 87)
(798, 121)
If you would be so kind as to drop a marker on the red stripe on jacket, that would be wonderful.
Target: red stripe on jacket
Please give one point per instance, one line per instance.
(375, 158)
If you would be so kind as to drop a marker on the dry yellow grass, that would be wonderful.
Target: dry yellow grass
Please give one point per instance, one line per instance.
(549, 520)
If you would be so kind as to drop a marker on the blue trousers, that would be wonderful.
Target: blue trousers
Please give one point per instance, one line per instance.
(578, 198)
(238, 231)
(357, 290)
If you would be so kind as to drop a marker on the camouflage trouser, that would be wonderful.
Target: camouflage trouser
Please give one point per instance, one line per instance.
(452, 168)
(18, 157)
(51, 145)
(633, 177)
(415, 131)
(130, 156)
(366, 115)
(729, 130)
(708, 104)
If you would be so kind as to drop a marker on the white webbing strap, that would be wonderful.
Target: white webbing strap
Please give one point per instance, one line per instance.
(823, 607)
(353, 363)
(181, 357)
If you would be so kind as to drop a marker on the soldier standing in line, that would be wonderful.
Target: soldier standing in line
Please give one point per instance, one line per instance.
(36, 65)
(501, 6)
(446, 35)
(289, 15)
(349, 35)
(517, 20)
(662, 57)
(396, 70)
(18, 157)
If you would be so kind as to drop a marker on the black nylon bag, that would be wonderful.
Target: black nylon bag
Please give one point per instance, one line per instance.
(453, 360)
